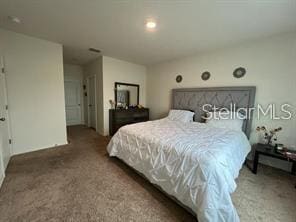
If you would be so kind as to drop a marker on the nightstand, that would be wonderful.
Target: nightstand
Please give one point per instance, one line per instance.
(267, 150)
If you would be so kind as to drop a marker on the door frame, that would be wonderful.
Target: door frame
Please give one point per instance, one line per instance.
(10, 147)
(68, 79)
(2, 173)
(88, 100)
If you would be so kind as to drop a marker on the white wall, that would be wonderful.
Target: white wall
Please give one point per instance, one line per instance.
(95, 68)
(270, 65)
(35, 84)
(75, 72)
(115, 70)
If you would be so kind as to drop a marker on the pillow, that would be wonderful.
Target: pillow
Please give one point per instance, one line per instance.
(181, 115)
(228, 120)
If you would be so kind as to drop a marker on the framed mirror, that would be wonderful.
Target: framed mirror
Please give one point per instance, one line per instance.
(126, 95)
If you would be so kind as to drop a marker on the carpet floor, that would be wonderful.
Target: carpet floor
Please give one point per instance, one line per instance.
(79, 182)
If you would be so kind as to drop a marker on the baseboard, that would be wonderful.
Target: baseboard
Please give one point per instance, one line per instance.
(29, 150)
(1, 180)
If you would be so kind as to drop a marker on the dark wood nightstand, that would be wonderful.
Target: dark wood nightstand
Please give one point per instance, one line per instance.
(266, 150)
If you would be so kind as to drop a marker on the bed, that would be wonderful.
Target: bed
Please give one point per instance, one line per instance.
(194, 163)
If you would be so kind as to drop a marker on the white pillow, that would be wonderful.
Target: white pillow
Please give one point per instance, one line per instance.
(228, 120)
(184, 116)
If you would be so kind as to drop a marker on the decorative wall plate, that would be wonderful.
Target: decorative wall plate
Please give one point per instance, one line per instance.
(239, 72)
(179, 78)
(205, 75)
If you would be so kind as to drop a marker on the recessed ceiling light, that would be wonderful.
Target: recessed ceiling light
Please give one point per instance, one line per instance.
(14, 19)
(150, 25)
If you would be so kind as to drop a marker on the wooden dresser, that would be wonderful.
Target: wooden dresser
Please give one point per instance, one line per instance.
(121, 117)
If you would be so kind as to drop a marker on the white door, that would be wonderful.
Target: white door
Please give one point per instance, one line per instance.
(72, 100)
(92, 102)
(4, 123)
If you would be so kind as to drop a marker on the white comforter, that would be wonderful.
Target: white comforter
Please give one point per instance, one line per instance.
(193, 162)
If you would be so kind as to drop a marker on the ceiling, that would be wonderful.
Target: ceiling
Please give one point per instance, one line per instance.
(117, 27)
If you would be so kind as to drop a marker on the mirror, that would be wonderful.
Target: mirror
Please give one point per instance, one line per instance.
(126, 95)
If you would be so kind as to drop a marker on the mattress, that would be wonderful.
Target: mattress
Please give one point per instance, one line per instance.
(194, 162)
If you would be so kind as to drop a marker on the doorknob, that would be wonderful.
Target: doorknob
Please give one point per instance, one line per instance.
(2, 119)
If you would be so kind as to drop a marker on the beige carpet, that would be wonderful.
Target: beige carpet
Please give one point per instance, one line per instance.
(79, 182)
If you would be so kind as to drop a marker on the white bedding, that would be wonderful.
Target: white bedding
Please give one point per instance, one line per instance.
(193, 162)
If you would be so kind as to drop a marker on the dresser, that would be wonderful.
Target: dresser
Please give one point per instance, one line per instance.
(121, 117)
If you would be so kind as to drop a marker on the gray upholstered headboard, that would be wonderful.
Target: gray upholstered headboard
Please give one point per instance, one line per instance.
(222, 97)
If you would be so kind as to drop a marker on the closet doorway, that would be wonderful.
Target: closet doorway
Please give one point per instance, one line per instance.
(5, 135)
(91, 102)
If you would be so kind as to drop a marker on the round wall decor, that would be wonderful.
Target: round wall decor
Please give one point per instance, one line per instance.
(239, 72)
(179, 78)
(205, 75)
